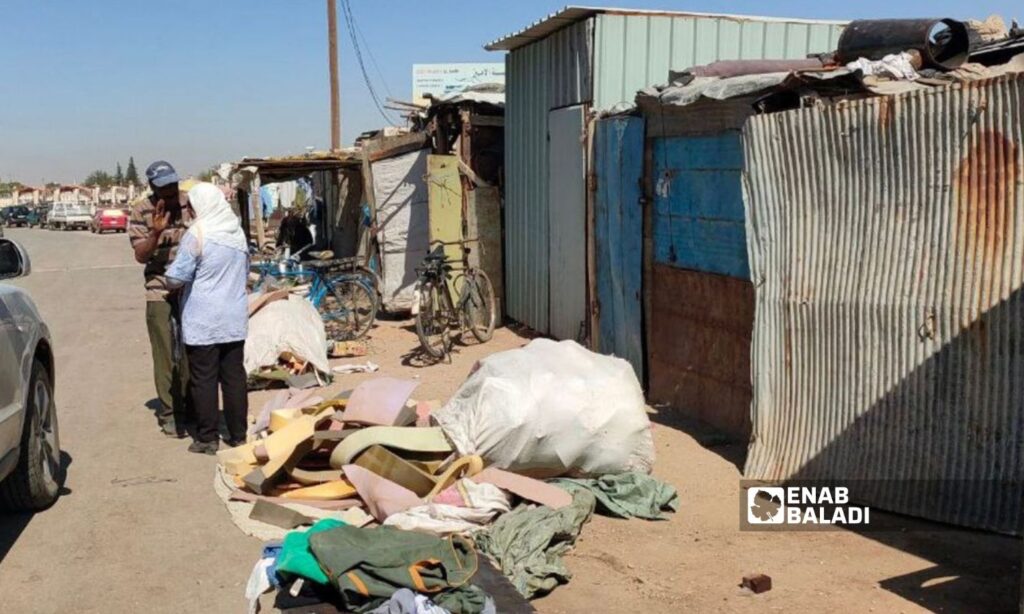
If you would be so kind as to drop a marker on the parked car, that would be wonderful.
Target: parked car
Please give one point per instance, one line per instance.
(44, 214)
(16, 215)
(109, 219)
(65, 216)
(30, 463)
(34, 215)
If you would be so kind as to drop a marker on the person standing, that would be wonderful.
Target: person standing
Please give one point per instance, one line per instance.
(213, 266)
(157, 223)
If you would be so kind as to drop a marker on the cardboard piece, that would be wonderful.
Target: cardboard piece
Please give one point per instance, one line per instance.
(388, 465)
(328, 491)
(524, 487)
(278, 515)
(248, 497)
(394, 437)
(464, 467)
(312, 478)
(381, 496)
(379, 401)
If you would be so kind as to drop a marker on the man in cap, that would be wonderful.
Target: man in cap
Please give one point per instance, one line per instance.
(158, 221)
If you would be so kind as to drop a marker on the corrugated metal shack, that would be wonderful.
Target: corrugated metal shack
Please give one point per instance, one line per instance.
(467, 175)
(699, 296)
(560, 72)
(889, 351)
(884, 224)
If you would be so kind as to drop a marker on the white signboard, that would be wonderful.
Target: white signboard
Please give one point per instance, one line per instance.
(441, 79)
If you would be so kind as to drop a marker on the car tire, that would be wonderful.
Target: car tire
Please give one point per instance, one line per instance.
(35, 483)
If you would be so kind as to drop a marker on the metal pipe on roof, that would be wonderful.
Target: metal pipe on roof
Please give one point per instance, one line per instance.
(943, 43)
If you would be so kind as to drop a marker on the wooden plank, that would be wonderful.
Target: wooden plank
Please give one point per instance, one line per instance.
(444, 188)
(378, 149)
(483, 223)
(487, 120)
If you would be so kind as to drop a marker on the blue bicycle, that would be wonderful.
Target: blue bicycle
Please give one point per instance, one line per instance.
(343, 291)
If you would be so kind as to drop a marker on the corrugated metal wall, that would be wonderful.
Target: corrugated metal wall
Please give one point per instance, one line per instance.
(637, 51)
(549, 73)
(887, 248)
(698, 218)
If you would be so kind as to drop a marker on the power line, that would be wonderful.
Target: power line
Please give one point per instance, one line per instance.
(350, 26)
(373, 60)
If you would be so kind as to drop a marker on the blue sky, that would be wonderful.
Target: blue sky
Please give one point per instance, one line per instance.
(84, 85)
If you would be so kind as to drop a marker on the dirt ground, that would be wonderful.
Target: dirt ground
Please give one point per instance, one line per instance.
(140, 529)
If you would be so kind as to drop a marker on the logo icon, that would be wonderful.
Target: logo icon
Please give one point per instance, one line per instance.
(765, 505)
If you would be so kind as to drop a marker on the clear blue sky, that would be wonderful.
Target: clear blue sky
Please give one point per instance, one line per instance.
(85, 84)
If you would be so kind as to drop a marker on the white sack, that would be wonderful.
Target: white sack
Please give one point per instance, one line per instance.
(550, 409)
(291, 325)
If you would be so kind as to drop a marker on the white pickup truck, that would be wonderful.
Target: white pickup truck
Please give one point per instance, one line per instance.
(67, 216)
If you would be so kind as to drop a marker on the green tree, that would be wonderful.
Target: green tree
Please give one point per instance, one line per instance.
(118, 175)
(131, 175)
(100, 178)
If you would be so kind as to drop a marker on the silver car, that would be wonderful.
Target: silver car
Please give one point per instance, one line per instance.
(30, 463)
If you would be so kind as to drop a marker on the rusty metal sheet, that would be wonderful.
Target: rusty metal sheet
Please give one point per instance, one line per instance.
(885, 240)
(699, 358)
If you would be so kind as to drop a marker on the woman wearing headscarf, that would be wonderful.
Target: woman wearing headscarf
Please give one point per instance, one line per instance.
(213, 265)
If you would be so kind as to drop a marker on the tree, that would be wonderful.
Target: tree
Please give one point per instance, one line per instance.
(99, 178)
(118, 175)
(131, 175)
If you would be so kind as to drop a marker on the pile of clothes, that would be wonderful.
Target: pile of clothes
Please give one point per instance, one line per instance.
(411, 505)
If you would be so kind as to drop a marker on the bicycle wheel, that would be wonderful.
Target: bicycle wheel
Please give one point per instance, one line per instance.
(431, 321)
(348, 310)
(479, 311)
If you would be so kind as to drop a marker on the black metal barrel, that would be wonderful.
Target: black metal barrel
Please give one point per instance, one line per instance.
(943, 43)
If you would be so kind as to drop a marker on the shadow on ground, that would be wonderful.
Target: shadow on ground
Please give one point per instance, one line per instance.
(12, 525)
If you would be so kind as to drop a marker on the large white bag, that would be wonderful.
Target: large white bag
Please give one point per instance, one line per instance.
(293, 325)
(550, 409)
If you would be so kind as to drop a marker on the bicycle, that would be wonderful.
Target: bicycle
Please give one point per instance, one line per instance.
(342, 292)
(438, 314)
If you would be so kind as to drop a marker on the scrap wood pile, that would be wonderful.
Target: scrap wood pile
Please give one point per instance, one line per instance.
(463, 508)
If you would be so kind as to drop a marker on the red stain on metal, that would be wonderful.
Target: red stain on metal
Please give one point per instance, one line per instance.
(986, 195)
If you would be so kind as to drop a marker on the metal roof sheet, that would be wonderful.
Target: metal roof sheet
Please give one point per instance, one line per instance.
(572, 14)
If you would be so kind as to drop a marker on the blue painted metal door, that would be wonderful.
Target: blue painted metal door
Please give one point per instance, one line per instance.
(618, 236)
(698, 204)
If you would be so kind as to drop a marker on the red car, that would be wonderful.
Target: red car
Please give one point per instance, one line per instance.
(109, 219)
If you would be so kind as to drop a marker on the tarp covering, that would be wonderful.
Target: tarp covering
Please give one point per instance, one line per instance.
(403, 229)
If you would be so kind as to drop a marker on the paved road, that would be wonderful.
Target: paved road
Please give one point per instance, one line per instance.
(140, 528)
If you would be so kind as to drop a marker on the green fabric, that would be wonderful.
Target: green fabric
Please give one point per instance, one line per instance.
(367, 566)
(627, 495)
(296, 558)
(528, 543)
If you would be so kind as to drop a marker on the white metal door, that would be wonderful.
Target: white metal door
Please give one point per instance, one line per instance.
(567, 212)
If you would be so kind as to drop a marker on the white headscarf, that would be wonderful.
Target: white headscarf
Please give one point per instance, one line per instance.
(215, 221)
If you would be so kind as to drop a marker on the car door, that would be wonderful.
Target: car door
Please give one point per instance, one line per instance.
(12, 388)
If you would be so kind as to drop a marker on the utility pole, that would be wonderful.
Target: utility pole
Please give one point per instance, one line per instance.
(332, 49)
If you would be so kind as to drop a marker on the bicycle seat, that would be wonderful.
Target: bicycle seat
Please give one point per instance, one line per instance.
(324, 255)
